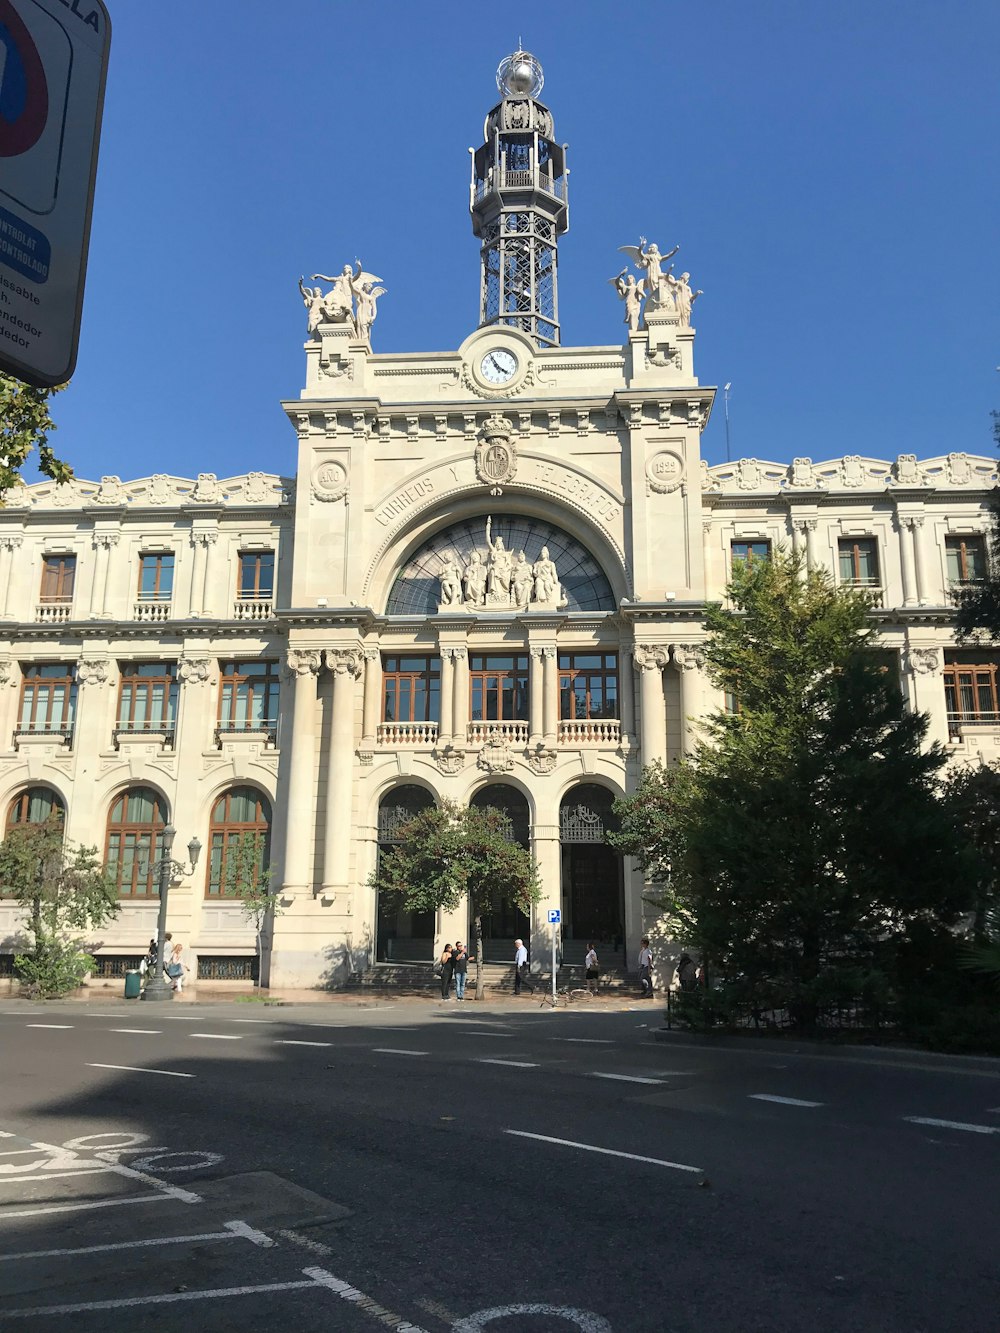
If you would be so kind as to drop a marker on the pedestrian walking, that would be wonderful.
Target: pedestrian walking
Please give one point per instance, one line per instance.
(176, 967)
(592, 969)
(687, 973)
(447, 965)
(646, 969)
(460, 961)
(522, 973)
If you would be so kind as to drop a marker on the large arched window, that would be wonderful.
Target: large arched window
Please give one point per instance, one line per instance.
(135, 824)
(239, 841)
(34, 805)
(401, 936)
(417, 590)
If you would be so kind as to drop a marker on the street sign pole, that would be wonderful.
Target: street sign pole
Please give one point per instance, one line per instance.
(555, 917)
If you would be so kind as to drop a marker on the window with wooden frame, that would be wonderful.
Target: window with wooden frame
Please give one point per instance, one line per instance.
(34, 805)
(859, 561)
(498, 687)
(746, 552)
(147, 697)
(256, 581)
(58, 577)
(971, 685)
(588, 686)
(411, 688)
(239, 841)
(965, 558)
(156, 576)
(48, 697)
(248, 697)
(135, 825)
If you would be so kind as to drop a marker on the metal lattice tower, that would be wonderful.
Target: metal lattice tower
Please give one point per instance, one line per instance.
(520, 205)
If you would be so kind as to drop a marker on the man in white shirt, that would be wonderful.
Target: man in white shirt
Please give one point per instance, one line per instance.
(521, 973)
(646, 969)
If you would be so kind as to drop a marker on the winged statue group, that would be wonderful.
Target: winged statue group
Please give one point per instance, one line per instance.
(351, 300)
(659, 288)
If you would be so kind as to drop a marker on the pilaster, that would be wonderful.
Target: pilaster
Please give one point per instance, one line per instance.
(345, 666)
(299, 813)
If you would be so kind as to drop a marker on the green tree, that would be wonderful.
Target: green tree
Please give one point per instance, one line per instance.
(25, 424)
(979, 605)
(449, 852)
(63, 890)
(806, 835)
(248, 878)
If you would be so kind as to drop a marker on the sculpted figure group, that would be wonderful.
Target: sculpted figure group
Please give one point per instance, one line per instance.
(502, 581)
(350, 286)
(662, 291)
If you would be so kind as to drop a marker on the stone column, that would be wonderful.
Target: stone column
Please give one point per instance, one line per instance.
(547, 852)
(345, 665)
(447, 723)
(809, 526)
(9, 543)
(906, 560)
(626, 693)
(923, 666)
(460, 717)
(208, 539)
(689, 660)
(303, 668)
(372, 714)
(651, 660)
(919, 561)
(536, 694)
(550, 695)
(797, 535)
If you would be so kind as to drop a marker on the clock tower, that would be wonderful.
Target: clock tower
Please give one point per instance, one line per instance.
(519, 205)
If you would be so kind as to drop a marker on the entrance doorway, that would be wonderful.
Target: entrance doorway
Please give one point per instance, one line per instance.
(593, 890)
(401, 936)
(505, 922)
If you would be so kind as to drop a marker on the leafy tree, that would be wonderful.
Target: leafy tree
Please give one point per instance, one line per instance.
(62, 890)
(806, 836)
(979, 605)
(972, 797)
(25, 424)
(449, 852)
(248, 878)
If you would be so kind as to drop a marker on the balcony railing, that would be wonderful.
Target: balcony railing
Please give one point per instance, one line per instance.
(515, 733)
(590, 731)
(253, 608)
(874, 590)
(957, 722)
(61, 732)
(138, 730)
(407, 733)
(53, 613)
(151, 611)
(229, 730)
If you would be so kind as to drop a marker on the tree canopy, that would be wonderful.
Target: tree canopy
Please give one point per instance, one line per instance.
(25, 424)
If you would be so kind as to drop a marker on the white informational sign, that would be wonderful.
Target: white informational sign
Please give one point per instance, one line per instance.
(53, 66)
(555, 916)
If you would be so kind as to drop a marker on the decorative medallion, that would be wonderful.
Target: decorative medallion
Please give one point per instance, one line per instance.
(541, 761)
(924, 660)
(93, 671)
(194, 670)
(329, 480)
(496, 453)
(495, 756)
(664, 471)
(450, 761)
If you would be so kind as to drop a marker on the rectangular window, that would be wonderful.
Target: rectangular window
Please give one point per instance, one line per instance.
(48, 698)
(859, 561)
(256, 575)
(58, 575)
(147, 696)
(411, 689)
(588, 686)
(498, 687)
(971, 683)
(248, 700)
(156, 576)
(966, 558)
(748, 552)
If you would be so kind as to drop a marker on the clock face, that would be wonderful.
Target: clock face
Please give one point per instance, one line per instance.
(498, 366)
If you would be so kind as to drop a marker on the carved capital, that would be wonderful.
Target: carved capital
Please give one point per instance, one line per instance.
(689, 656)
(105, 541)
(371, 654)
(650, 657)
(302, 662)
(204, 537)
(93, 671)
(343, 662)
(923, 661)
(194, 670)
(7, 674)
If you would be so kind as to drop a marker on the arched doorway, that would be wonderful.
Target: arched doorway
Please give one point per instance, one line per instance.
(593, 897)
(505, 923)
(401, 936)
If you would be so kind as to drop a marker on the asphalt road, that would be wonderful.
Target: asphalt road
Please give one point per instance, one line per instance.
(426, 1167)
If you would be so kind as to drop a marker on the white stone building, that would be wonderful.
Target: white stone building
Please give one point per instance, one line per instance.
(315, 656)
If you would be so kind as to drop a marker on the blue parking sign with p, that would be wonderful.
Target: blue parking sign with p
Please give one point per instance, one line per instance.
(555, 916)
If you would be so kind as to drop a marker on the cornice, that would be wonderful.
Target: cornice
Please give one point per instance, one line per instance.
(161, 632)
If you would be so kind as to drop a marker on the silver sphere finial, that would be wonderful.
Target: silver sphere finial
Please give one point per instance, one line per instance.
(520, 75)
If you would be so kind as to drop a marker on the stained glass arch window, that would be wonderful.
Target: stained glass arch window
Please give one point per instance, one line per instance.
(417, 589)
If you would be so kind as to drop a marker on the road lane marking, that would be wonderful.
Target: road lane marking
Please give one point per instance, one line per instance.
(80, 1207)
(60, 1027)
(289, 1042)
(782, 1101)
(514, 1064)
(607, 1152)
(168, 1298)
(56, 1175)
(586, 1041)
(585, 1320)
(138, 1069)
(234, 1231)
(268, 1022)
(395, 1050)
(952, 1124)
(627, 1078)
(218, 1036)
(484, 1032)
(142, 1032)
(348, 1293)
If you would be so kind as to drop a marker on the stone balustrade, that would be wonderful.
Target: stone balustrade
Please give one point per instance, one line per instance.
(590, 731)
(407, 733)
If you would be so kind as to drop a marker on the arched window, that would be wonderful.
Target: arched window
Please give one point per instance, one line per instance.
(401, 936)
(135, 824)
(33, 806)
(239, 841)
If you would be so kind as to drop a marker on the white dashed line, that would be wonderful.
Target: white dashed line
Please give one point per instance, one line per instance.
(60, 1027)
(586, 1041)
(142, 1032)
(138, 1069)
(234, 1230)
(952, 1124)
(782, 1101)
(627, 1078)
(218, 1036)
(513, 1064)
(290, 1042)
(393, 1050)
(267, 1022)
(607, 1152)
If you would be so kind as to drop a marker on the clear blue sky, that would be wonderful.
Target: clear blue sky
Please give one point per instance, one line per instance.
(831, 172)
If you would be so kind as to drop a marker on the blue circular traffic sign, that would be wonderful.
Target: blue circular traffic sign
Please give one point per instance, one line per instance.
(24, 93)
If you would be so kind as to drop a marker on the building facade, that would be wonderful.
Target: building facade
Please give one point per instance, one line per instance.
(485, 581)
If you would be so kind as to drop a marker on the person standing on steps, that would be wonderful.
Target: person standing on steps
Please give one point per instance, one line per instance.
(460, 962)
(447, 966)
(521, 971)
(593, 969)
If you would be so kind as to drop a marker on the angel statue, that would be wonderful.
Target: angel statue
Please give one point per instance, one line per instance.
(684, 297)
(367, 293)
(650, 259)
(338, 303)
(631, 292)
(312, 299)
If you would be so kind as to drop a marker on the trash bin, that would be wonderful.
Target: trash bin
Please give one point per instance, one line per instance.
(133, 983)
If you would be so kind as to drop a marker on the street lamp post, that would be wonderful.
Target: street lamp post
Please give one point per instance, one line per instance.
(158, 988)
